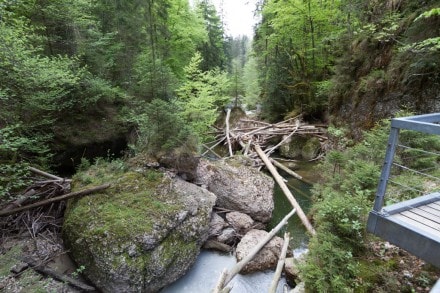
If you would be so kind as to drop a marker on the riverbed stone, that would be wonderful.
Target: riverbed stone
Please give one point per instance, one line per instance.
(239, 221)
(216, 225)
(141, 234)
(238, 187)
(292, 148)
(292, 271)
(311, 148)
(227, 236)
(266, 258)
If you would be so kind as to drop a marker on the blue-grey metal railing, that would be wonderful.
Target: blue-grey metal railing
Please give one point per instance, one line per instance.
(428, 123)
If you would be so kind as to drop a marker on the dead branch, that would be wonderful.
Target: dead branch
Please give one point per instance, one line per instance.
(54, 199)
(285, 189)
(45, 174)
(228, 114)
(280, 264)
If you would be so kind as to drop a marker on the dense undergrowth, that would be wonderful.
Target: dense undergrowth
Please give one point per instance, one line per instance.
(343, 256)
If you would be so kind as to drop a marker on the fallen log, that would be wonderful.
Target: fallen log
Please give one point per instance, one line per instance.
(4, 213)
(285, 169)
(58, 276)
(280, 264)
(240, 265)
(285, 189)
(45, 174)
(228, 114)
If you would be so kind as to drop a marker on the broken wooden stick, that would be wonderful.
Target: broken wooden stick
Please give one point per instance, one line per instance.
(228, 114)
(54, 274)
(45, 174)
(285, 189)
(240, 265)
(285, 169)
(54, 199)
(280, 264)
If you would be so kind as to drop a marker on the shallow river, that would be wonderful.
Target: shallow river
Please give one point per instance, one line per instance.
(203, 276)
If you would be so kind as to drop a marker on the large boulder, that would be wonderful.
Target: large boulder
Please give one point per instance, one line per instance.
(238, 187)
(301, 147)
(141, 234)
(266, 258)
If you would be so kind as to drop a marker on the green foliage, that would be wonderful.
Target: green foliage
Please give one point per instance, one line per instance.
(160, 127)
(298, 40)
(201, 96)
(213, 48)
(427, 14)
(251, 83)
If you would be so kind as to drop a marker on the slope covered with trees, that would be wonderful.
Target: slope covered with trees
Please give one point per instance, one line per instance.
(367, 58)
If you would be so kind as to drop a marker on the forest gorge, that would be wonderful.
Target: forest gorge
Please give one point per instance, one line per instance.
(146, 79)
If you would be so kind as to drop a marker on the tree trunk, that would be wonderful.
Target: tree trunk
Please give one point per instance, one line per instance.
(285, 189)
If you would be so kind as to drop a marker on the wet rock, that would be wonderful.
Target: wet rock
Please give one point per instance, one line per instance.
(266, 258)
(215, 245)
(238, 187)
(311, 148)
(300, 288)
(291, 271)
(227, 236)
(141, 234)
(216, 225)
(292, 147)
(301, 147)
(239, 221)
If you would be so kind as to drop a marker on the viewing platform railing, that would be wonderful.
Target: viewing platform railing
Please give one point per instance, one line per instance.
(414, 223)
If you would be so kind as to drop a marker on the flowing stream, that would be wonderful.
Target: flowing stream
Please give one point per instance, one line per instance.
(205, 273)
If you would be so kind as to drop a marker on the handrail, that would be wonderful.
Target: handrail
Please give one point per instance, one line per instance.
(427, 123)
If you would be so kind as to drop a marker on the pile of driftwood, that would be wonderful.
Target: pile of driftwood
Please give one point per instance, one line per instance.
(248, 132)
(39, 212)
(253, 139)
(16, 220)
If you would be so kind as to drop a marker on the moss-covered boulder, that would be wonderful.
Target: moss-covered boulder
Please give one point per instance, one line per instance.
(141, 234)
(311, 148)
(301, 147)
(293, 147)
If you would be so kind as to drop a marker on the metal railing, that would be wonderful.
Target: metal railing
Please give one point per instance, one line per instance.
(414, 172)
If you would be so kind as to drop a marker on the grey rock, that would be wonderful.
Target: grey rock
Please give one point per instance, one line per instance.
(216, 225)
(227, 236)
(239, 221)
(266, 258)
(238, 187)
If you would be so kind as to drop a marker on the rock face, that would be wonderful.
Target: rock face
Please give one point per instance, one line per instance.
(238, 187)
(141, 234)
(266, 258)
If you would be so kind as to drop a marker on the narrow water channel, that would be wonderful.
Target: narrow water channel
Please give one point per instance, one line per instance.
(203, 276)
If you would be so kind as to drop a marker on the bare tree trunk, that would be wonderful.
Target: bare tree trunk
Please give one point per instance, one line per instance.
(285, 189)
(280, 265)
(228, 114)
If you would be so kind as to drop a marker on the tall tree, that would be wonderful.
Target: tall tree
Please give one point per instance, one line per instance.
(213, 49)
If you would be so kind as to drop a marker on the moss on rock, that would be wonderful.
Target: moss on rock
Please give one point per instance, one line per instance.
(140, 234)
